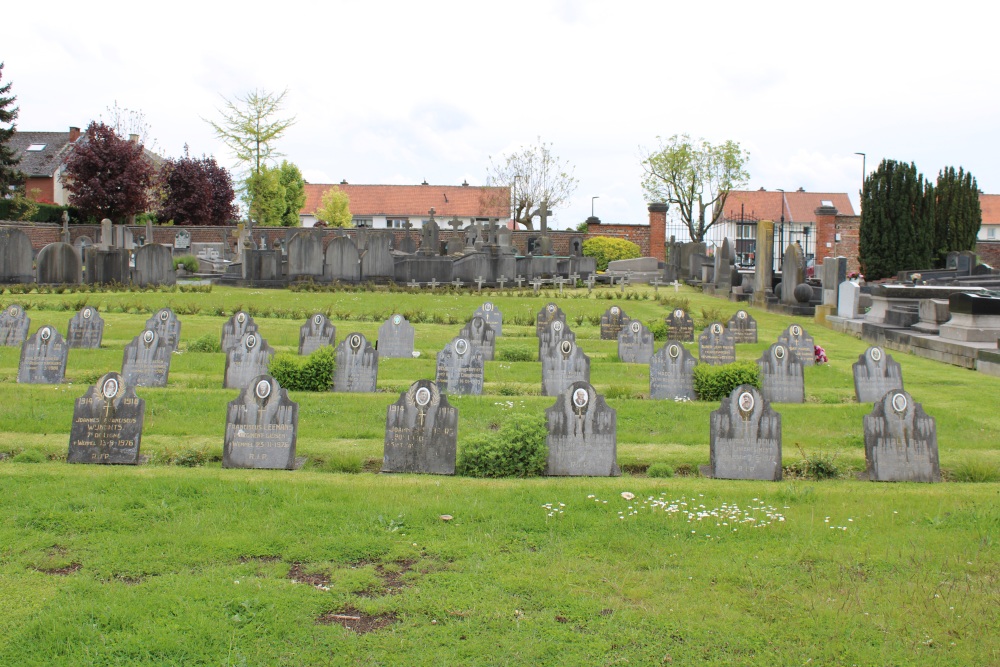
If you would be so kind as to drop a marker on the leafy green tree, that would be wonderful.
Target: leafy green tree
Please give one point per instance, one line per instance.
(335, 208)
(9, 173)
(957, 212)
(696, 177)
(295, 193)
(264, 196)
(250, 126)
(897, 221)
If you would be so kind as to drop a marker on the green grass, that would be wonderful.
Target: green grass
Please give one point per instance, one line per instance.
(140, 565)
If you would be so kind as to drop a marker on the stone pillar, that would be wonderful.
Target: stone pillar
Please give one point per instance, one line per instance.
(826, 232)
(764, 261)
(658, 231)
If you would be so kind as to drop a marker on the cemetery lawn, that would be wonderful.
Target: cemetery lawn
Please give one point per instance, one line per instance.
(165, 564)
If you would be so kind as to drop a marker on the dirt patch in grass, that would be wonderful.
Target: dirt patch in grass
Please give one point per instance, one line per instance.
(359, 622)
(60, 571)
(299, 576)
(391, 581)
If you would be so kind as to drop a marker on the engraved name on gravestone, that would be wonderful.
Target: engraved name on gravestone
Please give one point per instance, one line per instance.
(743, 327)
(14, 323)
(317, 332)
(261, 426)
(252, 357)
(548, 314)
(781, 375)
(43, 358)
(563, 365)
(480, 336)
(86, 329)
(555, 333)
(421, 432)
(460, 368)
(612, 322)
(357, 365)
(745, 437)
(583, 434)
(489, 312)
(876, 373)
(680, 326)
(635, 343)
(801, 343)
(107, 423)
(901, 441)
(716, 346)
(671, 373)
(146, 361)
(235, 328)
(166, 325)
(395, 338)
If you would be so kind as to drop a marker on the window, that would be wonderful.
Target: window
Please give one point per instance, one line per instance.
(991, 232)
(395, 223)
(36, 147)
(363, 222)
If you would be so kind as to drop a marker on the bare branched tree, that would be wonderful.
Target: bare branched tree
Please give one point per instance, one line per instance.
(534, 176)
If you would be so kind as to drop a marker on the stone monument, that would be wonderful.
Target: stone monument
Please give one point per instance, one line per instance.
(107, 423)
(395, 338)
(167, 327)
(480, 336)
(357, 365)
(635, 343)
(86, 329)
(146, 361)
(671, 373)
(562, 365)
(261, 427)
(745, 437)
(901, 441)
(250, 358)
(876, 373)
(801, 343)
(781, 376)
(612, 322)
(43, 358)
(680, 326)
(583, 434)
(743, 327)
(317, 332)
(421, 432)
(235, 328)
(14, 324)
(716, 346)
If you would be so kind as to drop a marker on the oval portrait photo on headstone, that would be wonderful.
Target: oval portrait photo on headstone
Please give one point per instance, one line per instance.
(899, 403)
(241, 317)
(796, 330)
(12, 311)
(355, 341)
(779, 352)
(396, 319)
(557, 326)
(110, 389)
(147, 336)
(566, 347)
(746, 402)
(251, 342)
(45, 333)
(678, 313)
(164, 315)
(615, 310)
(317, 320)
(674, 351)
(423, 396)
(263, 389)
(635, 326)
(87, 313)
(876, 354)
(581, 397)
(717, 329)
(488, 307)
(742, 315)
(551, 307)
(461, 346)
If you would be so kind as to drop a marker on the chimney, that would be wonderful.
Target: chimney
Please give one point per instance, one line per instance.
(658, 230)
(74, 134)
(134, 138)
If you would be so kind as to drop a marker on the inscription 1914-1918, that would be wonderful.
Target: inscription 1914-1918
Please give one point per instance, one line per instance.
(107, 424)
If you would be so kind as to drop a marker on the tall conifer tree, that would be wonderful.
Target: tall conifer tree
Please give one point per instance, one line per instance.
(9, 173)
(957, 212)
(897, 220)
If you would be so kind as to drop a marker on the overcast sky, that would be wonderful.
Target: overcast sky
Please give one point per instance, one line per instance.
(398, 92)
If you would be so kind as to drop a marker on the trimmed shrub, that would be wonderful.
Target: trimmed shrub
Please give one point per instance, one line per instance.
(313, 373)
(188, 262)
(517, 449)
(712, 383)
(207, 343)
(660, 470)
(605, 249)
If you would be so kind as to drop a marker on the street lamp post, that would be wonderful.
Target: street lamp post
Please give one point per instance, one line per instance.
(781, 227)
(864, 173)
(592, 204)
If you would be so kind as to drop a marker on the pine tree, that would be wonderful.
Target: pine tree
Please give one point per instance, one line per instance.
(957, 212)
(897, 221)
(9, 173)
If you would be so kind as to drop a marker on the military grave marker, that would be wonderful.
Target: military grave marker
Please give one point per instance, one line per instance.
(460, 369)
(86, 329)
(876, 373)
(489, 312)
(107, 423)
(317, 332)
(583, 434)
(671, 373)
(480, 336)
(395, 338)
(901, 441)
(167, 327)
(743, 327)
(261, 427)
(146, 361)
(357, 365)
(612, 322)
(235, 328)
(800, 342)
(548, 314)
(43, 358)
(562, 365)
(250, 358)
(680, 326)
(716, 346)
(421, 432)
(635, 343)
(781, 375)
(745, 437)
(14, 324)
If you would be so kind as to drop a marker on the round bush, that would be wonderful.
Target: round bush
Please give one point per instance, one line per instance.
(605, 249)
(188, 262)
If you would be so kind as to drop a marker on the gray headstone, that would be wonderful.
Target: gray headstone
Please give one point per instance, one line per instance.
(489, 312)
(635, 343)
(14, 324)
(555, 333)
(834, 273)
(107, 423)
(716, 346)
(407, 245)
(357, 365)
(16, 256)
(549, 313)
(376, 256)
(875, 374)
(235, 328)
(59, 264)
(182, 240)
(395, 338)
(342, 260)
(800, 342)
(261, 427)
(781, 375)
(146, 361)
(86, 329)
(317, 332)
(792, 273)
(154, 265)
(43, 358)
(583, 434)
(305, 255)
(167, 327)
(745, 437)
(848, 300)
(460, 369)
(429, 238)
(421, 432)
(743, 327)
(504, 237)
(244, 362)
(680, 326)
(563, 365)
(901, 441)
(480, 336)
(671, 373)
(725, 255)
(612, 321)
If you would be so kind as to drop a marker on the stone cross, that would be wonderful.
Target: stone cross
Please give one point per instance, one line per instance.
(491, 231)
(559, 280)
(677, 286)
(573, 277)
(479, 283)
(536, 283)
(543, 214)
(431, 213)
(149, 232)
(434, 283)
(407, 225)
(457, 283)
(519, 280)
(590, 283)
(501, 280)
(655, 282)
(413, 283)
(65, 229)
(455, 224)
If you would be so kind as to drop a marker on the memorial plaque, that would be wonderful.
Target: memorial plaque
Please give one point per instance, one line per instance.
(107, 423)
(876, 373)
(781, 376)
(671, 373)
(489, 312)
(167, 327)
(357, 365)
(562, 366)
(612, 322)
(743, 327)
(480, 336)
(86, 329)
(395, 338)
(14, 323)
(548, 314)
(901, 441)
(680, 326)
(317, 332)
(261, 425)
(745, 437)
(583, 434)
(460, 368)
(555, 333)
(421, 432)
(252, 357)
(848, 300)
(146, 361)
(800, 342)
(235, 328)
(716, 346)
(635, 343)
(43, 358)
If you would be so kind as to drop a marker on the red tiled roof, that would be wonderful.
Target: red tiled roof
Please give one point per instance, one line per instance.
(799, 207)
(416, 200)
(990, 205)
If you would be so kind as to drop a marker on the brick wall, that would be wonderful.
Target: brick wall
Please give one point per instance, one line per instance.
(829, 223)
(658, 231)
(637, 234)
(989, 252)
